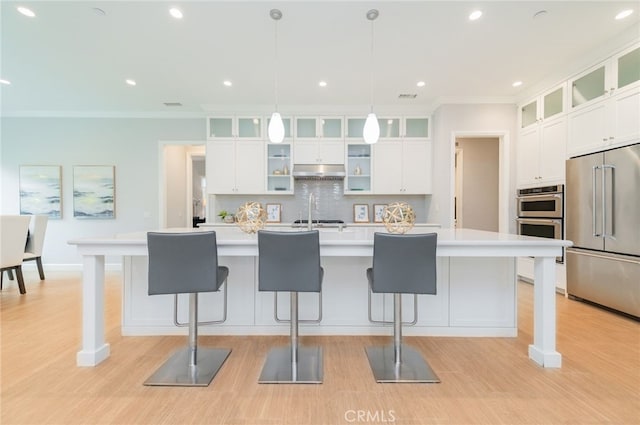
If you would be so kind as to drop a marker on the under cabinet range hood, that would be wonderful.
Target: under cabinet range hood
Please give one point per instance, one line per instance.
(319, 171)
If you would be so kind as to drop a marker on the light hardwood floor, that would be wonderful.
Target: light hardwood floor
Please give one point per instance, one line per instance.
(484, 380)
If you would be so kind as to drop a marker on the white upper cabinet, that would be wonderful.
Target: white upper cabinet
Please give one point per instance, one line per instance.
(279, 166)
(288, 128)
(416, 128)
(390, 128)
(358, 166)
(605, 102)
(235, 167)
(542, 139)
(309, 128)
(319, 140)
(549, 105)
(541, 153)
(235, 127)
(402, 167)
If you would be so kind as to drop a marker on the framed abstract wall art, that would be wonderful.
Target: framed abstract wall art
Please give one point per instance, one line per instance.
(94, 195)
(41, 190)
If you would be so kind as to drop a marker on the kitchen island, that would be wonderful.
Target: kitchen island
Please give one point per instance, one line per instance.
(476, 290)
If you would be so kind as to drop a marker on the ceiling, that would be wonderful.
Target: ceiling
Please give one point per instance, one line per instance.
(74, 56)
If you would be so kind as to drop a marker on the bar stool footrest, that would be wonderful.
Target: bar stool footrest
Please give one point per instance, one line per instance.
(412, 367)
(176, 372)
(278, 368)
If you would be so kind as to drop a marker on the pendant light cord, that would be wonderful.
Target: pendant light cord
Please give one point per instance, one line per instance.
(276, 67)
(371, 69)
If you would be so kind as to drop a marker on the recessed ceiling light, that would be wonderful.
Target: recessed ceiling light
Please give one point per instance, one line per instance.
(130, 82)
(176, 13)
(7, 82)
(624, 14)
(99, 12)
(322, 83)
(26, 12)
(421, 84)
(476, 14)
(227, 83)
(517, 83)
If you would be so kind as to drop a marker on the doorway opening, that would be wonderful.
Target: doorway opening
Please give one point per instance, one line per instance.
(480, 181)
(182, 191)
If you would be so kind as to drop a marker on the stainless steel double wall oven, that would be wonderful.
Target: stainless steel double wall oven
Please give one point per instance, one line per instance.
(541, 212)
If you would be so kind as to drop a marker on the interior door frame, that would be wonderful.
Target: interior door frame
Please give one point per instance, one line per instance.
(504, 156)
(162, 181)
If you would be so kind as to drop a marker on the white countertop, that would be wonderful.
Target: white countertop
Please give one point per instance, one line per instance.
(355, 241)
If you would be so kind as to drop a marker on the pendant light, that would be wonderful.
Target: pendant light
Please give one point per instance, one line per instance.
(371, 130)
(276, 126)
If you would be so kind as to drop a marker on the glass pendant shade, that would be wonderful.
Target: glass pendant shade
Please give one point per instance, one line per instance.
(371, 131)
(276, 128)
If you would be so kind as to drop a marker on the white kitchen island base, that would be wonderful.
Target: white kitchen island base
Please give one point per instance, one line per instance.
(475, 297)
(476, 290)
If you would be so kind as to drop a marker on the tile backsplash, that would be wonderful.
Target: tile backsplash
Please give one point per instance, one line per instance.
(331, 202)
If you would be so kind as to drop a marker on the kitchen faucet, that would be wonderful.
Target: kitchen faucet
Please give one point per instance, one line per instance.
(309, 222)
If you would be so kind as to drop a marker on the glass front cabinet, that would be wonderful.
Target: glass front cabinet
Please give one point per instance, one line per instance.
(279, 166)
(235, 127)
(358, 167)
(605, 104)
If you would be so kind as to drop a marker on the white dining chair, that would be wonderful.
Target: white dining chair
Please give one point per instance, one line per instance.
(13, 236)
(35, 242)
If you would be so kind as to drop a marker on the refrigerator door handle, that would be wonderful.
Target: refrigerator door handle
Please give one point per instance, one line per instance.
(604, 200)
(593, 202)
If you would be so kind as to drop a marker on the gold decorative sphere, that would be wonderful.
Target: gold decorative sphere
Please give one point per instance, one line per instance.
(398, 217)
(251, 217)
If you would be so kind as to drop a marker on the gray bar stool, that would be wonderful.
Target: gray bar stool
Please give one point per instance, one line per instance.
(290, 261)
(187, 263)
(402, 264)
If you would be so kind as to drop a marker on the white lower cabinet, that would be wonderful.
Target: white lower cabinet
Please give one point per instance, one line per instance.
(235, 167)
(402, 168)
(541, 153)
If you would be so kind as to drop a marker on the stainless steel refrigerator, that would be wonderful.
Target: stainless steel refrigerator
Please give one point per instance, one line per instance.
(603, 221)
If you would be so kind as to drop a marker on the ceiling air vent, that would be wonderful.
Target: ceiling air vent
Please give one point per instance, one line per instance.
(407, 96)
(172, 104)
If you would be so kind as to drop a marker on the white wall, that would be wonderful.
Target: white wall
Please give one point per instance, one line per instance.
(468, 120)
(129, 144)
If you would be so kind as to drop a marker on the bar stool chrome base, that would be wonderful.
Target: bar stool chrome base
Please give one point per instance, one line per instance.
(278, 368)
(411, 369)
(176, 371)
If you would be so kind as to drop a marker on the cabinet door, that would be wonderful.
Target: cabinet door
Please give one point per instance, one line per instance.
(387, 170)
(627, 69)
(250, 175)
(416, 168)
(249, 128)
(625, 115)
(306, 128)
(389, 128)
(528, 154)
(220, 167)
(330, 152)
(305, 153)
(553, 103)
(331, 128)
(355, 126)
(587, 129)
(529, 114)
(553, 136)
(588, 87)
(218, 127)
(416, 128)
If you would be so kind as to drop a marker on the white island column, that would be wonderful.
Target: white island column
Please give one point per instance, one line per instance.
(543, 350)
(94, 348)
